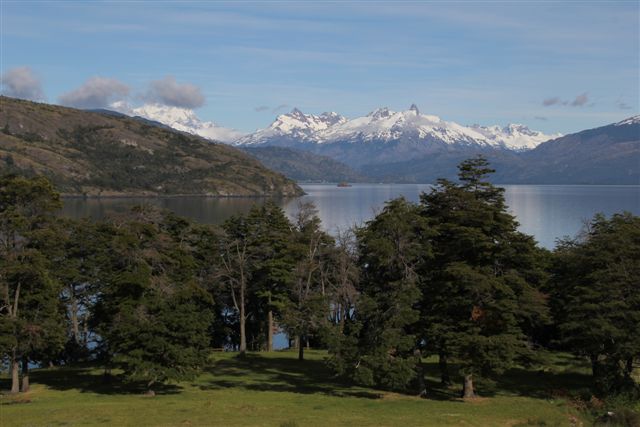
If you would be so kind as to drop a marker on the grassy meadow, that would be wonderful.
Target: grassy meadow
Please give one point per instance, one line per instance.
(275, 389)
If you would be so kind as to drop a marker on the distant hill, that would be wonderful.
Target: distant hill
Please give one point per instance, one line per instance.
(98, 154)
(604, 155)
(304, 166)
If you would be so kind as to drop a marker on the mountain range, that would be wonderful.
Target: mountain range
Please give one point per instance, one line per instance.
(409, 146)
(386, 126)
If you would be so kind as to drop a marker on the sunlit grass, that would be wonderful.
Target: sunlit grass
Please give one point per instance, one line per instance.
(277, 390)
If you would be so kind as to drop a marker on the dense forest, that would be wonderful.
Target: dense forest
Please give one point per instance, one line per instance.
(153, 294)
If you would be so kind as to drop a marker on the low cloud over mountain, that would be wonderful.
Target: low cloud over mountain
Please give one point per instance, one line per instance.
(97, 92)
(168, 91)
(22, 82)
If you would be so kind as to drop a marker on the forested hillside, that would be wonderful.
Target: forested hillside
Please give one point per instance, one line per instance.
(304, 165)
(86, 153)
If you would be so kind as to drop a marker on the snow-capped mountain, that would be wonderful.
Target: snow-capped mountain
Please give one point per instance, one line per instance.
(295, 126)
(634, 120)
(515, 136)
(182, 119)
(384, 125)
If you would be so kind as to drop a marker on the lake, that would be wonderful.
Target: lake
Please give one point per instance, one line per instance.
(547, 212)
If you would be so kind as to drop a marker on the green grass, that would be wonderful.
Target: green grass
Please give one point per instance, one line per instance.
(277, 390)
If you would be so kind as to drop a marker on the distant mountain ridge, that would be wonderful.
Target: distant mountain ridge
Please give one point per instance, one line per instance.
(605, 155)
(106, 154)
(385, 125)
(409, 146)
(304, 166)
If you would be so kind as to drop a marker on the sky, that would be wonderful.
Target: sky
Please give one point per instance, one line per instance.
(554, 66)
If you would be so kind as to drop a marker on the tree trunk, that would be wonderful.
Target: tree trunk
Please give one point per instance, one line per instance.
(422, 385)
(467, 389)
(25, 375)
(300, 348)
(595, 366)
(75, 324)
(629, 367)
(85, 331)
(15, 374)
(270, 331)
(150, 392)
(444, 369)
(243, 335)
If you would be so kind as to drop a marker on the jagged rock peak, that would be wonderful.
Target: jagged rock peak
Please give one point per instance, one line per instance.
(296, 112)
(380, 113)
(414, 107)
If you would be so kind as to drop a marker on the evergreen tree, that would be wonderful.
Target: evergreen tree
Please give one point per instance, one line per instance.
(256, 266)
(480, 290)
(597, 298)
(30, 315)
(272, 267)
(152, 313)
(78, 254)
(376, 346)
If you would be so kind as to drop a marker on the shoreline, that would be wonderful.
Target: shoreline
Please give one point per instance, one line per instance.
(177, 196)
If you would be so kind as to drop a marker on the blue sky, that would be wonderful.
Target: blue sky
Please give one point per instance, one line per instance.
(467, 61)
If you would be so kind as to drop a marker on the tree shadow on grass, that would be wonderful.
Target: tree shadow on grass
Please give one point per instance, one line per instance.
(563, 373)
(91, 380)
(281, 374)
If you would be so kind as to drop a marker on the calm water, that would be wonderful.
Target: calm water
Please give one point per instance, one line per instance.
(547, 212)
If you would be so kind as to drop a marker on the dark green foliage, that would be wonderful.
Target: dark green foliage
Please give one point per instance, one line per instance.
(377, 345)
(80, 254)
(256, 268)
(30, 316)
(597, 298)
(480, 290)
(272, 269)
(152, 314)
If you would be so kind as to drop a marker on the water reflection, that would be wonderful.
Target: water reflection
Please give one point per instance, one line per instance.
(547, 212)
(206, 210)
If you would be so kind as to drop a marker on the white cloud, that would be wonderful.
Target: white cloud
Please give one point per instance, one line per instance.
(168, 91)
(21, 82)
(97, 92)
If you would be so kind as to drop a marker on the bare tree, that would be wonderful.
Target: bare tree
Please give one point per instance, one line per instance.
(235, 262)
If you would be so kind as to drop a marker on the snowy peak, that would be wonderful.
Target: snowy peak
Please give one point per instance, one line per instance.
(298, 122)
(181, 119)
(514, 136)
(380, 113)
(384, 125)
(630, 121)
(170, 116)
(294, 125)
(332, 118)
